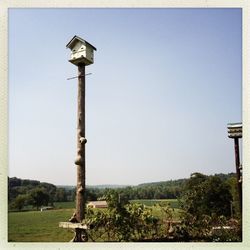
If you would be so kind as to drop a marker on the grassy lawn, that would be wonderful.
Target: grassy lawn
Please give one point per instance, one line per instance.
(64, 205)
(36, 226)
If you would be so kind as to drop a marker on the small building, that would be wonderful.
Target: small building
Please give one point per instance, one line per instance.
(97, 204)
(46, 208)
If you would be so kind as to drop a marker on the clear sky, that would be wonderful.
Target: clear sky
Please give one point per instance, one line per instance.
(164, 85)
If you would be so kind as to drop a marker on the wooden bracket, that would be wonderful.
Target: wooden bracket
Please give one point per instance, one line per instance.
(71, 225)
(80, 230)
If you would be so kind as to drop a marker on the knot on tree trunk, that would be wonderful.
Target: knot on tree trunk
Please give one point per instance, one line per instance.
(83, 140)
(79, 161)
(80, 189)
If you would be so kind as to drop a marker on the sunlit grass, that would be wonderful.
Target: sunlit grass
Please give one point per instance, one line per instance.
(36, 226)
(173, 203)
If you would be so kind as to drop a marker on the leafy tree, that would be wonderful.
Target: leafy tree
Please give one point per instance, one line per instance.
(207, 195)
(71, 194)
(14, 182)
(31, 183)
(20, 201)
(18, 186)
(195, 180)
(39, 197)
(206, 203)
(217, 197)
(60, 195)
(13, 193)
(91, 194)
(232, 182)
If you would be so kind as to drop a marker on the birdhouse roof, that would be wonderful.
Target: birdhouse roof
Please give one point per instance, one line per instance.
(234, 125)
(73, 41)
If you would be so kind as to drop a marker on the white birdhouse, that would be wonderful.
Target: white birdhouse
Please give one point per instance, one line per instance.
(81, 51)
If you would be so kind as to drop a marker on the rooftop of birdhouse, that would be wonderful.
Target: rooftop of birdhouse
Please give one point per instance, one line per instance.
(75, 39)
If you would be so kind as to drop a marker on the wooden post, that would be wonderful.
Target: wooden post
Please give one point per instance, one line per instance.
(75, 222)
(80, 159)
(80, 234)
(235, 132)
(237, 163)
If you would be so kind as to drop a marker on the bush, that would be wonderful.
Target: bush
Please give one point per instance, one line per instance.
(123, 221)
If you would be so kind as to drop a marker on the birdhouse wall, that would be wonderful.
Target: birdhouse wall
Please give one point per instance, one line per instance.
(90, 54)
(78, 51)
(78, 46)
(82, 52)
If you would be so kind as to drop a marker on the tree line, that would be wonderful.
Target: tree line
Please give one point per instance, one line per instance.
(24, 192)
(34, 193)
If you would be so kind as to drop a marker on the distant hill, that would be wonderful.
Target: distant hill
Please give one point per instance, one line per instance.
(111, 186)
(17, 182)
(168, 183)
(67, 187)
(14, 182)
(180, 182)
(103, 186)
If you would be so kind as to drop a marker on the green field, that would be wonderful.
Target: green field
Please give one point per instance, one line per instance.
(173, 203)
(63, 205)
(37, 226)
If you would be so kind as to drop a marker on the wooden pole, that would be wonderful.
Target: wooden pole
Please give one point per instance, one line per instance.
(80, 160)
(237, 163)
(75, 222)
(80, 235)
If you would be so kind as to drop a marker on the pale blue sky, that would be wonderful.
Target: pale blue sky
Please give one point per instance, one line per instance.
(164, 85)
